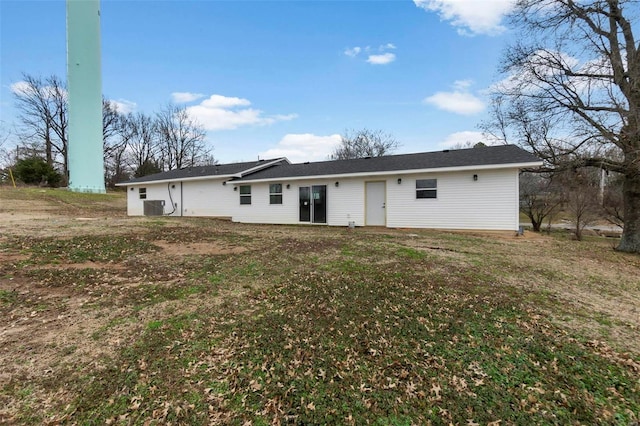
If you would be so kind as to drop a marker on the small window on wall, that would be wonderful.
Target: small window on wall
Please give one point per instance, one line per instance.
(275, 193)
(427, 188)
(143, 193)
(245, 194)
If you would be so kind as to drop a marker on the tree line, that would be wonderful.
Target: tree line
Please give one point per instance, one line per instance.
(134, 144)
(583, 197)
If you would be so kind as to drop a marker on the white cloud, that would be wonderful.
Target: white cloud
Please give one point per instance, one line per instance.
(226, 113)
(353, 51)
(461, 85)
(124, 106)
(459, 101)
(464, 138)
(219, 101)
(184, 97)
(303, 147)
(470, 16)
(383, 59)
(20, 88)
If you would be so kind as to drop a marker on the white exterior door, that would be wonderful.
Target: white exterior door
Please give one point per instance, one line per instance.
(375, 204)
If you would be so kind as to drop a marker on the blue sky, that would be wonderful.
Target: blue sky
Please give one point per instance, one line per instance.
(272, 78)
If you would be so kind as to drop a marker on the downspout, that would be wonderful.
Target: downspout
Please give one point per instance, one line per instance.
(518, 172)
(181, 200)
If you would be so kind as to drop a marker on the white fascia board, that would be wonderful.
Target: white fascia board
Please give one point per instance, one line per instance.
(151, 182)
(396, 172)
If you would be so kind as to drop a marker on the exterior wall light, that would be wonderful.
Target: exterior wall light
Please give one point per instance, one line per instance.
(399, 181)
(337, 184)
(235, 188)
(288, 185)
(475, 177)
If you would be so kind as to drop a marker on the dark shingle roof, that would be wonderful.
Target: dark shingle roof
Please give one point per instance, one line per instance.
(482, 156)
(200, 171)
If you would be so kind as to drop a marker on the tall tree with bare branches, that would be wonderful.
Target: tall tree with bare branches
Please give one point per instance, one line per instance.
(364, 143)
(143, 148)
(540, 198)
(181, 138)
(43, 115)
(572, 91)
(116, 135)
(4, 146)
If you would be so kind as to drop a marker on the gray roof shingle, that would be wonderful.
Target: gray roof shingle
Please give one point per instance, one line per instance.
(200, 171)
(482, 156)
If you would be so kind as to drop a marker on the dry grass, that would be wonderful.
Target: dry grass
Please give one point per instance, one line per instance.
(127, 320)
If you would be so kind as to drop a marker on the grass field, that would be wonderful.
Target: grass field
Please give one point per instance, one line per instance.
(114, 320)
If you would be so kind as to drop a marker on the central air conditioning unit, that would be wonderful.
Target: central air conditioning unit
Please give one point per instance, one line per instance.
(154, 207)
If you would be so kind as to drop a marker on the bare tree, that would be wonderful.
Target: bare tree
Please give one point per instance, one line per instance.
(43, 116)
(580, 193)
(612, 202)
(5, 151)
(116, 136)
(181, 138)
(43, 107)
(572, 91)
(143, 148)
(171, 140)
(111, 118)
(539, 198)
(364, 143)
(467, 145)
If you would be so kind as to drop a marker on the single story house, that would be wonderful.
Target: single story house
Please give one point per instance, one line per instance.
(474, 188)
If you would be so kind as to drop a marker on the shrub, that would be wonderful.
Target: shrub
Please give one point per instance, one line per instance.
(35, 170)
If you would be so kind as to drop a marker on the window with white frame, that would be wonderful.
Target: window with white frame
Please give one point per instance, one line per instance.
(245, 194)
(426, 188)
(142, 192)
(275, 193)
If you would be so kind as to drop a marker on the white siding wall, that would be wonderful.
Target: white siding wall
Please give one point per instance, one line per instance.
(489, 203)
(208, 198)
(260, 211)
(344, 203)
(158, 191)
(195, 198)
(134, 203)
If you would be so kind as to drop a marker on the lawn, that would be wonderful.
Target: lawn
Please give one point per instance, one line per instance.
(117, 320)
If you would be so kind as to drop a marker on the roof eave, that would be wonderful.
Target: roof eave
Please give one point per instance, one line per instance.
(194, 178)
(206, 177)
(396, 172)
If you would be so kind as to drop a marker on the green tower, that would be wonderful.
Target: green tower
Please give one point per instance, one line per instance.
(84, 83)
